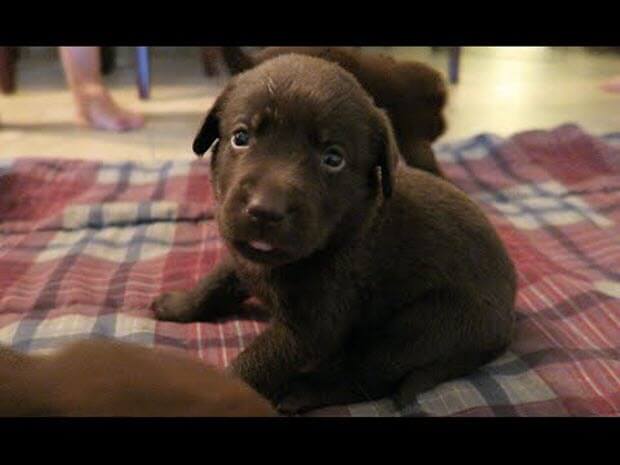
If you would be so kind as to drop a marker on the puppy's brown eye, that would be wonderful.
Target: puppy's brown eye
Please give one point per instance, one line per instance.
(333, 158)
(240, 138)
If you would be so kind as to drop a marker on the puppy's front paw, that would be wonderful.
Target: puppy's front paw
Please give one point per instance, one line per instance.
(297, 403)
(300, 398)
(174, 306)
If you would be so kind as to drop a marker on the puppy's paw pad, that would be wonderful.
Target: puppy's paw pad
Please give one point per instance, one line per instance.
(173, 306)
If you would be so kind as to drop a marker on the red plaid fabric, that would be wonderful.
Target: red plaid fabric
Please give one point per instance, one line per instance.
(86, 246)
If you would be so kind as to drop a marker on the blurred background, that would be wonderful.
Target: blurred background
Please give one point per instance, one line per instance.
(499, 90)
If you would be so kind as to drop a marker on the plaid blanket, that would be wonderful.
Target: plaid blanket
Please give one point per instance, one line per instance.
(85, 246)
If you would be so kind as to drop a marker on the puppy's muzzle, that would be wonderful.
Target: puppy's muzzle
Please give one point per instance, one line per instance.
(267, 205)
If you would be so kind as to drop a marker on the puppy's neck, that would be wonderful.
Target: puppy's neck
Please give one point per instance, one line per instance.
(354, 227)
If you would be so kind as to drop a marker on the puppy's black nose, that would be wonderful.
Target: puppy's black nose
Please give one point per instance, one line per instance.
(265, 209)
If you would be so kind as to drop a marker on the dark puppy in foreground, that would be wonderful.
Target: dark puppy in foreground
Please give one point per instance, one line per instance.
(108, 378)
(373, 272)
(413, 94)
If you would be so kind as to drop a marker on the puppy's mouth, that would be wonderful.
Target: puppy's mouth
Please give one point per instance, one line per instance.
(262, 252)
(262, 246)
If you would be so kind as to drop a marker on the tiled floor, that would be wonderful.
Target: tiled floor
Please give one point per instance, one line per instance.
(502, 90)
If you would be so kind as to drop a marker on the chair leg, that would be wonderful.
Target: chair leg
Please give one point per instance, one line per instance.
(210, 58)
(8, 57)
(144, 72)
(454, 64)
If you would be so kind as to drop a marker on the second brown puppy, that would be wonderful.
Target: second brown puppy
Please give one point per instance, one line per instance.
(103, 378)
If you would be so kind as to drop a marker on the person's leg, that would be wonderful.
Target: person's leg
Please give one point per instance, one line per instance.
(94, 104)
(612, 85)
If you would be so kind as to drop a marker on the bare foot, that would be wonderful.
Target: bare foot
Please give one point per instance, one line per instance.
(612, 85)
(97, 109)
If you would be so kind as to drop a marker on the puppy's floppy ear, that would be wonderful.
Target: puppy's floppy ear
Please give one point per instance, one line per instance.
(210, 130)
(386, 151)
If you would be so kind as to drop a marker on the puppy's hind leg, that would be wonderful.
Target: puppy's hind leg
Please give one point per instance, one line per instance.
(426, 378)
(443, 337)
(311, 393)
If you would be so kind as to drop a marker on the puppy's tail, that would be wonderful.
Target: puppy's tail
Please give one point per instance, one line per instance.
(237, 61)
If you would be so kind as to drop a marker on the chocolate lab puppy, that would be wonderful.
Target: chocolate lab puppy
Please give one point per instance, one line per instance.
(412, 93)
(108, 378)
(372, 271)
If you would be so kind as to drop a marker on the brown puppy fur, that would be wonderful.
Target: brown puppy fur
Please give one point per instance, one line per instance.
(106, 378)
(412, 93)
(373, 271)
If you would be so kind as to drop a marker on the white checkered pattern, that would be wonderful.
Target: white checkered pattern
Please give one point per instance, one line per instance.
(533, 206)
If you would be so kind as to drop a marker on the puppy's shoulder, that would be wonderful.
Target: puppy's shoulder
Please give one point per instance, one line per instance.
(418, 189)
(431, 210)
